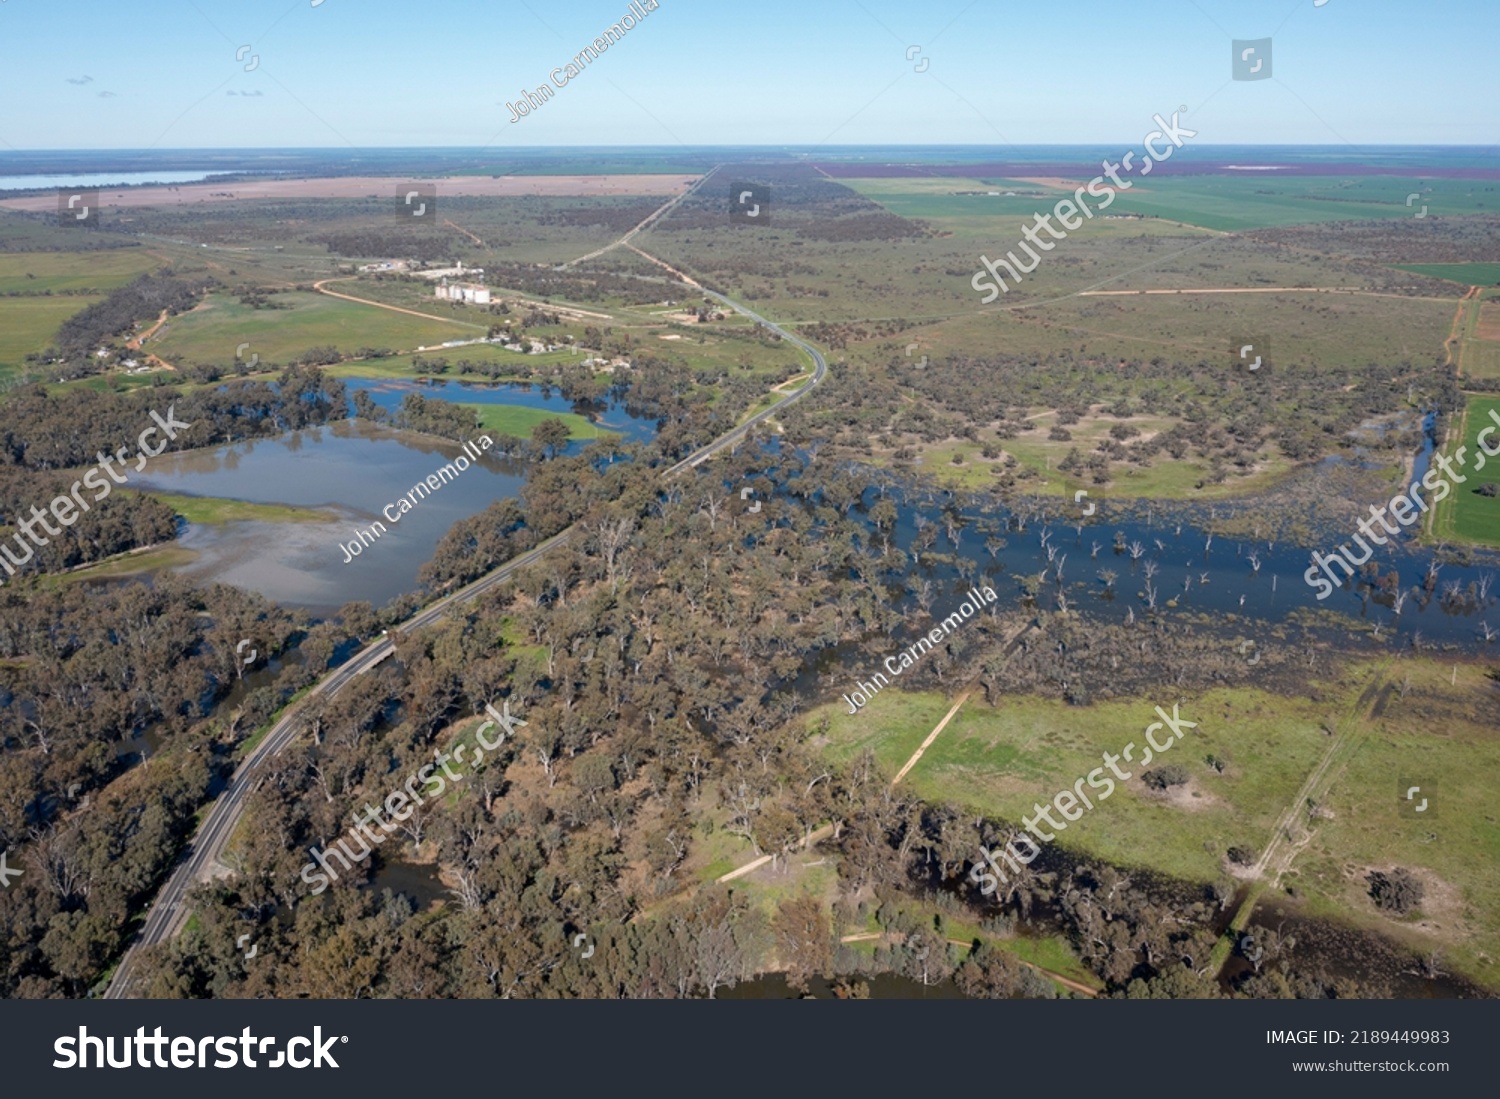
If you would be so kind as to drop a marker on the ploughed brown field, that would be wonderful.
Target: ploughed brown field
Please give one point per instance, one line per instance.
(373, 187)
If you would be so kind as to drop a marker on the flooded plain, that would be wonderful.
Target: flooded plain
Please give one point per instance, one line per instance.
(347, 475)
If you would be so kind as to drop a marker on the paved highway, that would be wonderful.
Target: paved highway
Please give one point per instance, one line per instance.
(169, 911)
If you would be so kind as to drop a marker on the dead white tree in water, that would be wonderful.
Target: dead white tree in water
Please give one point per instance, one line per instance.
(1486, 632)
(1150, 596)
(1254, 558)
(1136, 550)
(1187, 582)
(1150, 568)
(1398, 601)
(1097, 547)
(1486, 579)
(1109, 576)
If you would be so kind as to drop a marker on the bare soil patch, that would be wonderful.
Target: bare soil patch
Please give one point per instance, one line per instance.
(189, 194)
(1488, 327)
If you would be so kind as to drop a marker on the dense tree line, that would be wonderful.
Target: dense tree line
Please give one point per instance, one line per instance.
(141, 299)
(429, 244)
(41, 430)
(43, 434)
(94, 826)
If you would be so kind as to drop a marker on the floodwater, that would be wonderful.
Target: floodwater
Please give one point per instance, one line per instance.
(418, 882)
(388, 393)
(353, 470)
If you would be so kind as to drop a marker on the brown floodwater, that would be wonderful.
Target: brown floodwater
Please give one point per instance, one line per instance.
(352, 470)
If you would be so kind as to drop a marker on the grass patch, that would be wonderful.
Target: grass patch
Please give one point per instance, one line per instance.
(1002, 760)
(1228, 202)
(519, 421)
(1469, 274)
(213, 510)
(1465, 515)
(211, 331)
(28, 325)
(41, 272)
(131, 564)
(521, 366)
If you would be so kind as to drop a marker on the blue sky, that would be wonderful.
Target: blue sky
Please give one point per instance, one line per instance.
(159, 73)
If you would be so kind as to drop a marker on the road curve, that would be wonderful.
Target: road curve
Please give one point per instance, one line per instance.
(169, 911)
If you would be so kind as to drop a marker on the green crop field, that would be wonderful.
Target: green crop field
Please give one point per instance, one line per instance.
(212, 331)
(1254, 200)
(39, 272)
(28, 325)
(1466, 515)
(1469, 274)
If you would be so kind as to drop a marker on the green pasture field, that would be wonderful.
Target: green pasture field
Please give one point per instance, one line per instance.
(215, 511)
(1166, 478)
(1442, 739)
(60, 271)
(1229, 203)
(1466, 516)
(123, 383)
(29, 325)
(167, 556)
(212, 331)
(519, 421)
(400, 366)
(1002, 760)
(1469, 274)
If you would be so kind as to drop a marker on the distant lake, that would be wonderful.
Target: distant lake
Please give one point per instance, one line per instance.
(99, 179)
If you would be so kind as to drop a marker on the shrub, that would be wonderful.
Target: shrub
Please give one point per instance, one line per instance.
(1160, 778)
(1399, 891)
